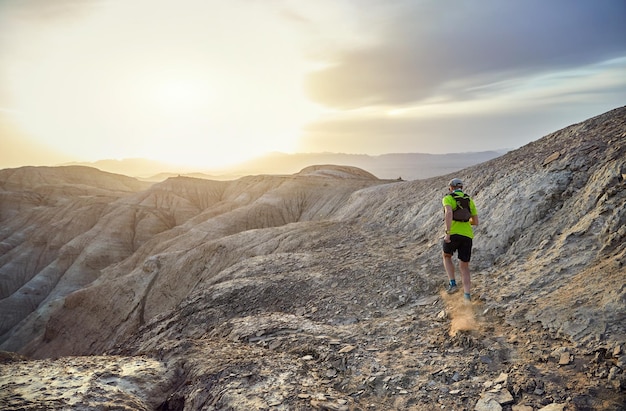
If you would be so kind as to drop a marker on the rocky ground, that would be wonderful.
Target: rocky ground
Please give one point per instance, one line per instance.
(375, 333)
(324, 290)
(371, 332)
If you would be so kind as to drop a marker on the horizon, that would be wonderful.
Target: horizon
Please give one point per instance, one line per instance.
(288, 163)
(210, 84)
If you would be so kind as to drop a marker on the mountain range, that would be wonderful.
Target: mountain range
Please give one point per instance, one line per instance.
(406, 166)
(321, 289)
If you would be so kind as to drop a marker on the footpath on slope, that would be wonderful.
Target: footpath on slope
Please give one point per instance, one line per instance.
(439, 349)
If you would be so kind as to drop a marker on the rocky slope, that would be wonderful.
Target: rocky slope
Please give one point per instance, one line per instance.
(319, 290)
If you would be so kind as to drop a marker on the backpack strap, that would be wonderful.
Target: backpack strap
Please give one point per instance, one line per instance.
(456, 196)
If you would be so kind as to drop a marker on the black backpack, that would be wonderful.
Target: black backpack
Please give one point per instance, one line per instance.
(462, 211)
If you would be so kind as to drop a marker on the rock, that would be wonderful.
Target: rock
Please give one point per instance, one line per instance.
(347, 349)
(517, 407)
(502, 379)
(84, 383)
(617, 350)
(557, 352)
(553, 407)
(551, 158)
(503, 397)
(565, 358)
(486, 359)
(613, 372)
(329, 406)
(487, 404)
(274, 344)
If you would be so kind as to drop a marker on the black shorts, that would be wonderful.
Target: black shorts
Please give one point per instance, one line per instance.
(460, 244)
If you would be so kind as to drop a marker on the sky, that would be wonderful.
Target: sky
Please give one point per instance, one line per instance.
(209, 83)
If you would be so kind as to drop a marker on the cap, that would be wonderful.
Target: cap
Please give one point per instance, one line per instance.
(456, 182)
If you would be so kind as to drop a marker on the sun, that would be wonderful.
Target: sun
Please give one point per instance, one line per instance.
(181, 96)
(213, 118)
(188, 121)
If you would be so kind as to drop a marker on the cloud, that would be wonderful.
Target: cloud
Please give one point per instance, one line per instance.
(502, 114)
(442, 48)
(452, 133)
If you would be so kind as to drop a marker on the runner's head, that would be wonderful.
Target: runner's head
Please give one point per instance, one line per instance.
(456, 183)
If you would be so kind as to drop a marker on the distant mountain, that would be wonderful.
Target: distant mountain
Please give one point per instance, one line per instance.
(407, 166)
(134, 167)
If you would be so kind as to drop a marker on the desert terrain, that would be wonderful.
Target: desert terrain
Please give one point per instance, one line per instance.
(319, 290)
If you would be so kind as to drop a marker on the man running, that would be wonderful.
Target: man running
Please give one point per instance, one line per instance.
(459, 234)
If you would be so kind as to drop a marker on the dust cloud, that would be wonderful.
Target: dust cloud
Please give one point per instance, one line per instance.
(461, 313)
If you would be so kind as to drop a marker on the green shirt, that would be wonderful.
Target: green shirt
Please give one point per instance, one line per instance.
(460, 227)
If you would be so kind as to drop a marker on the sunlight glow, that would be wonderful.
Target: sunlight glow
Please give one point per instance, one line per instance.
(181, 95)
(175, 93)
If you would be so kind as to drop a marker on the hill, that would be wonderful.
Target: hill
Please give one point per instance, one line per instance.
(321, 289)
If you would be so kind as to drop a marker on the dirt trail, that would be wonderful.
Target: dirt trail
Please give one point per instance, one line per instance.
(436, 348)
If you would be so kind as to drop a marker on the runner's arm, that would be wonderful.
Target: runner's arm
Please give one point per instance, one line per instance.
(448, 218)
